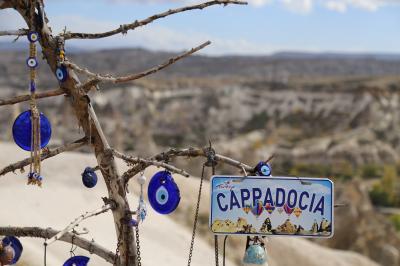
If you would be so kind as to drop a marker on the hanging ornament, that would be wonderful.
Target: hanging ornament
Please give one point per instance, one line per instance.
(269, 208)
(33, 36)
(31, 129)
(141, 210)
(62, 73)
(77, 261)
(61, 70)
(163, 193)
(10, 250)
(89, 177)
(257, 209)
(263, 169)
(255, 255)
(22, 131)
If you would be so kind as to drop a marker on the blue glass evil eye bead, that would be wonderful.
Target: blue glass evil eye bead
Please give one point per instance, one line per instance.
(33, 36)
(62, 73)
(16, 245)
(89, 177)
(263, 169)
(163, 193)
(22, 130)
(77, 261)
(32, 62)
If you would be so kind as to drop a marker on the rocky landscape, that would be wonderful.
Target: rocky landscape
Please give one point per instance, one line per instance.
(336, 111)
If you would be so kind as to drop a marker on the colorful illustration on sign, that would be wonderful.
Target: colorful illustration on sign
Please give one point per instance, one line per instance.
(257, 209)
(269, 207)
(291, 207)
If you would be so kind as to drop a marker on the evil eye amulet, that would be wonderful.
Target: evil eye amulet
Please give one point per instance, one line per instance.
(16, 246)
(163, 193)
(22, 131)
(62, 73)
(77, 261)
(263, 169)
(32, 62)
(89, 177)
(33, 36)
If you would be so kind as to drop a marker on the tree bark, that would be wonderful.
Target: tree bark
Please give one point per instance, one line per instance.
(105, 158)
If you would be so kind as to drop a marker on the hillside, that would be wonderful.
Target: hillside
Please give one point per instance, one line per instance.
(63, 198)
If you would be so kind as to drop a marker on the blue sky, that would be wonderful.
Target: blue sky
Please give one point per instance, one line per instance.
(262, 27)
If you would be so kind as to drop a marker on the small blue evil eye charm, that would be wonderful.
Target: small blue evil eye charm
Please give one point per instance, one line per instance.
(33, 36)
(32, 62)
(77, 261)
(15, 245)
(163, 193)
(61, 73)
(89, 177)
(263, 169)
(22, 130)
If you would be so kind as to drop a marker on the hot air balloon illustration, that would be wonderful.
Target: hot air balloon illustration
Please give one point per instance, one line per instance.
(280, 210)
(297, 211)
(257, 209)
(287, 209)
(269, 208)
(247, 209)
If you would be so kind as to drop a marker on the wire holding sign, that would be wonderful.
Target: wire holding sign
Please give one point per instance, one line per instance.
(271, 206)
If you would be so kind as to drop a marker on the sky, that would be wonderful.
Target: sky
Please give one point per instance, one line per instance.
(262, 27)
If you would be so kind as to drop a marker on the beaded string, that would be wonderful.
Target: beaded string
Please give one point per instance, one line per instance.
(34, 177)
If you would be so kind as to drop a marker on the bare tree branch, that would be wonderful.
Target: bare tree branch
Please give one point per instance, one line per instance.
(141, 163)
(190, 152)
(45, 155)
(76, 222)
(109, 78)
(27, 97)
(20, 32)
(124, 28)
(90, 246)
(6, 4)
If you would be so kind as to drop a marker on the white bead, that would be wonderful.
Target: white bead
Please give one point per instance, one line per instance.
(141, 179)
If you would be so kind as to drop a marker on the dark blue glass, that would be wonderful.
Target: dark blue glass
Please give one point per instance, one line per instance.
(62, 73)
(22, 130)
(15, 244)
(263, 169)
(163, 193)
(89, 177)
(77, 261)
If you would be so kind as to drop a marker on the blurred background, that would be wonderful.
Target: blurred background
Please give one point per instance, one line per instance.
(316, 83)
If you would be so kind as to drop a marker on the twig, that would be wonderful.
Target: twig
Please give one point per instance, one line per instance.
(18, 33)
(75, 222)
(110, 78)
(90, 246)
(144, 163)
(45, 155)
(124, 28)
(27, 97)
(191, 152)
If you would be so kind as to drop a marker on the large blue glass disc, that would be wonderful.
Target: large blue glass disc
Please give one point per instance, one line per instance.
(22, 130)
(77, 261)
(163, 193)
(15, 244)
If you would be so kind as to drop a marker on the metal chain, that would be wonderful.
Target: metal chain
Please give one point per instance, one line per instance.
(196, 216)
(138, 258)
(119, 242)
(216, 250)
